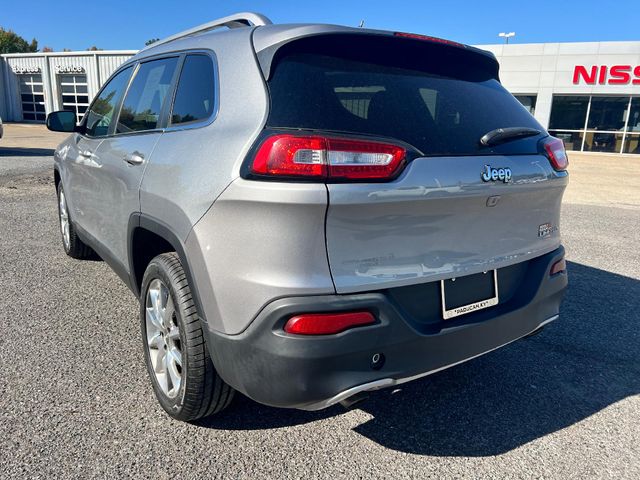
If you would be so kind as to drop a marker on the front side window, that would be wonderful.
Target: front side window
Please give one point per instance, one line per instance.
(102, 109)
(195, 95)
(145, 99)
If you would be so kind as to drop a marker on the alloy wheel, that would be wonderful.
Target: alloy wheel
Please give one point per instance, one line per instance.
(163, 338)
(64, 220)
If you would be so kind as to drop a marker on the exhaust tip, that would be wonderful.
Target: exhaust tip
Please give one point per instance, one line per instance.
(534, 333)
(349, 403)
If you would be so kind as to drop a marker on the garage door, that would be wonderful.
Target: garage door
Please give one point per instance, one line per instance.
(74, 94)
(32, 97)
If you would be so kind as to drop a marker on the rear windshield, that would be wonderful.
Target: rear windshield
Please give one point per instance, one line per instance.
(435, 104)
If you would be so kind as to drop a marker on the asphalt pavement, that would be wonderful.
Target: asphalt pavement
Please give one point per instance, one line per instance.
(75, 401)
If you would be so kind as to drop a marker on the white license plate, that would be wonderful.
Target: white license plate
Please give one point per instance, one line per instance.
(474, 281)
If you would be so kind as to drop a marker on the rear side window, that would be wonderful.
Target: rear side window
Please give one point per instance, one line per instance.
(104, 106)
(436, 106)
(143, 104)
(195, 95)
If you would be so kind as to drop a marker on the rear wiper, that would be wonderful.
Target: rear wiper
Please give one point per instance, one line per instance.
(501, 135)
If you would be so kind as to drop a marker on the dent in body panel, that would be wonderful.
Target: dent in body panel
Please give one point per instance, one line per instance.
(433, 222)
(73, 169)
(61, 154)
(260, 241)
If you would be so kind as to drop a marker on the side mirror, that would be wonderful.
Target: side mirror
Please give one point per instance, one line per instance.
(62, 121)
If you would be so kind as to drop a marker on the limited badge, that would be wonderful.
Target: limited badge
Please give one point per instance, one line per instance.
(546, 229)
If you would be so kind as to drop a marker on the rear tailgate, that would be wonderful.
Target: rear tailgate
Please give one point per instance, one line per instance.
(438, 218)
(436, 221)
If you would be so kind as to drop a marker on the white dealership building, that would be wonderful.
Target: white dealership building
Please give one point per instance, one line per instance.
(588, 93)
(34, 84)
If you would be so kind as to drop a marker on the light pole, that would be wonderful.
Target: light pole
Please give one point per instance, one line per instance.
(507, 36)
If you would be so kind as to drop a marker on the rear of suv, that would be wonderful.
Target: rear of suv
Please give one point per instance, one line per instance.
(310, 212)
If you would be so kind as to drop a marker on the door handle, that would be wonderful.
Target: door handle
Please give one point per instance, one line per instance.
(85, 153)
(136, 158)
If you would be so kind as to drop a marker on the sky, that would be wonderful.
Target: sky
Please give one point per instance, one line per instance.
(126, 25)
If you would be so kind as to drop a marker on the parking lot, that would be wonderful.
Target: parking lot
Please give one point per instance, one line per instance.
(75, 400)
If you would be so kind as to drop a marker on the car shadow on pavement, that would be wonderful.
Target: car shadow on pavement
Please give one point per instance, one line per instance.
(26, 152)
(577, 366)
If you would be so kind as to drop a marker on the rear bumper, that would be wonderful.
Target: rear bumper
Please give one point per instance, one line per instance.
(311, 373)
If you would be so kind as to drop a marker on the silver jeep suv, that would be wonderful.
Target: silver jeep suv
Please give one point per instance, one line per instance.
(310, 212)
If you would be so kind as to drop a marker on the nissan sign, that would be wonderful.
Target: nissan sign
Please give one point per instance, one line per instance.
(603, 74)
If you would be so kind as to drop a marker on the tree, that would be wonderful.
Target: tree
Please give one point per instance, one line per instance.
(93, 49)
(11, 42)
(47, 49)
(149, 42)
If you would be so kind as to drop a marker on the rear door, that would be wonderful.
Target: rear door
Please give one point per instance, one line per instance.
(439, 218)
(124, 155)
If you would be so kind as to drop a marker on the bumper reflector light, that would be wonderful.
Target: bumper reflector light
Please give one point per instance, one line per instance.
(558, 267)
(327, 323)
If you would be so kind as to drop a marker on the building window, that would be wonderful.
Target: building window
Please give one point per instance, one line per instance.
(596, 123)
(74, 95)
(603, 142)
(608, 113)
(632, 140)
(632, 144)
(528, 102)
(568, 113)
(572, 140)
(634, 116)
(32, 97)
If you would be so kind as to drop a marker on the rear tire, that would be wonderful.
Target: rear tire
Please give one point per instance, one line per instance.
(182, 375)
(73, 246)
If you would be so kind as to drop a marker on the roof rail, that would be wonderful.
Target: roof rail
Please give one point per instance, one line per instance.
(244, 19)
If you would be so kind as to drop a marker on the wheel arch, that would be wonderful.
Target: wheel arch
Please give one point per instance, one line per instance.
(147, 238)
(56, 178)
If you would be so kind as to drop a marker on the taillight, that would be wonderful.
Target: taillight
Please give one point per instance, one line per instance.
(327, 158)
(554, 149)
(327, 323)
(558, 267)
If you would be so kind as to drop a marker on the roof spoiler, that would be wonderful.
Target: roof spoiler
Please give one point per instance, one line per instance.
(344, 39)
(237, 20)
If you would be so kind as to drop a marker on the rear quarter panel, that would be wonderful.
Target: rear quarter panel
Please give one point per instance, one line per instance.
(191, 167)
(260, 241)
